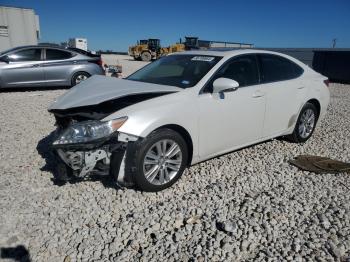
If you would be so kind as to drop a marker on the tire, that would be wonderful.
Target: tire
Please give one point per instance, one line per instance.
(79, 77)
(305, 124)
(146, 56)
(157, 167)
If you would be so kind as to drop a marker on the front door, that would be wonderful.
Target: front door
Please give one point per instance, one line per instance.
(24, 68)
(231, 120)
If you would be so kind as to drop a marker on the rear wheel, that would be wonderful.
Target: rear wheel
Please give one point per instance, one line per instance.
(146, 56)
(79, 77)
(305, 125)
(160, 160)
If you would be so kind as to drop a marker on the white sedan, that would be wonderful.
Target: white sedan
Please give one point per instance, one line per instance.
(183, 109)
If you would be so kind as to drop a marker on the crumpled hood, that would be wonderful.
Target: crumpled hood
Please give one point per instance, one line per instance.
(98, 89)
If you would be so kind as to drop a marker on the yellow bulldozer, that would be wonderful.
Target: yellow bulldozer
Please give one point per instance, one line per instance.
(147, 50)
(190, 43)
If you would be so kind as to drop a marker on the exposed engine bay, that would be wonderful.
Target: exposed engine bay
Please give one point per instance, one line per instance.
(79, 162)
(109, 155)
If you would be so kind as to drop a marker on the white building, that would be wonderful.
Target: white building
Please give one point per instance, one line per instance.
(18, 26)
(80, 43)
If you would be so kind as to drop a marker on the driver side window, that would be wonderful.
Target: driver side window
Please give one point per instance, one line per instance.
(243, 69)
(33, 54)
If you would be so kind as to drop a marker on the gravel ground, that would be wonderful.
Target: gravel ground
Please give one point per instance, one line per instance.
(247, 205)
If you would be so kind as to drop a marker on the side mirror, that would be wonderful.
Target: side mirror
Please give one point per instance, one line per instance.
(224, 85)
(5, 59)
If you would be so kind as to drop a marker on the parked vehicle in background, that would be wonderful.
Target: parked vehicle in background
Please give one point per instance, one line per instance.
(83, 52)
(183, 109)
(80, 43)
(190, 43)
(146, 50)
(35, 66)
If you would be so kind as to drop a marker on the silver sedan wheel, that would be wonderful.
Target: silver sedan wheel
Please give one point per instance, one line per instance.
(307, 123)
(162, 162)
(80, 78)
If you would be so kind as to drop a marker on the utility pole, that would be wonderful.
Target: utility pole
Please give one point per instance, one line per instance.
(334, 42)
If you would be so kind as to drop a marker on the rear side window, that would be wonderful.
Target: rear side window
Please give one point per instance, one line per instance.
(55, 54)
(277, 68)
(26, 55)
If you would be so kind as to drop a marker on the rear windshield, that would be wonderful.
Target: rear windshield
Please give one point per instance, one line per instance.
(176, 70)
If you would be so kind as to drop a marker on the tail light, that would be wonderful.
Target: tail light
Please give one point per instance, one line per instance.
(326, 82)
(98, 62)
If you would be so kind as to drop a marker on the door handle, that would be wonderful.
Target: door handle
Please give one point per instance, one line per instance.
(301, 87)
(258, 94)
(36, 65)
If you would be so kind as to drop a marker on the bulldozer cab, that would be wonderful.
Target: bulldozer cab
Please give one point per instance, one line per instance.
(143, 42)
(153, 45)
(191, 43)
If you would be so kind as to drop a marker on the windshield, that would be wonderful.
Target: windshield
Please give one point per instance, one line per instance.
(176, 70)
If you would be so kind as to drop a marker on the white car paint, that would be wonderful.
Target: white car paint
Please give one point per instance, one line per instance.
(98, 89)
(240, 118)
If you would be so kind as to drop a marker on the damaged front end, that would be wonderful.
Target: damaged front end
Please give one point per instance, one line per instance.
(88, 145)
(93, 147)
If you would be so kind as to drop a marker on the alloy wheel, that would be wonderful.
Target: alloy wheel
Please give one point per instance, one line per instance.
(80, 78)
(162, 162)
(306, 123)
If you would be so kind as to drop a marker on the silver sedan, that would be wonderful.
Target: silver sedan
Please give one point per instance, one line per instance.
(35, 66)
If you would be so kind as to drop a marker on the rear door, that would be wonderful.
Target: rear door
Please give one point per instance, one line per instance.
(24, 68)
(58, 66)
(284, 90)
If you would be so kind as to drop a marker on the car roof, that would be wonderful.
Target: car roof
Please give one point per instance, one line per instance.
(74, 52)
(223, 52)
(36, 46)
(39, 46)
(229, 52)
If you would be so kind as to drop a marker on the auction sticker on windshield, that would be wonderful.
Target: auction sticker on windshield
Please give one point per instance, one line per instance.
(203, 58)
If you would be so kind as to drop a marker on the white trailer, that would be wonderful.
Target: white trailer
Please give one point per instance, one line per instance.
(80, 43)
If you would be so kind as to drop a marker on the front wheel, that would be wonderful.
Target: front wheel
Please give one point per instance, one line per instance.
(160, 160)
(146, 56)
(305, 125)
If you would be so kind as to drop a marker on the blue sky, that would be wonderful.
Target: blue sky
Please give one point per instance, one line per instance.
(117, 24)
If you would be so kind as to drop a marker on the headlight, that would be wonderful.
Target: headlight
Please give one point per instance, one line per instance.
(88, 131)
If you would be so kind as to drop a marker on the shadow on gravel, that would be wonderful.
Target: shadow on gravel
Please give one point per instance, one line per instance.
(29, 89)
(18, 253)
(45, 151)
